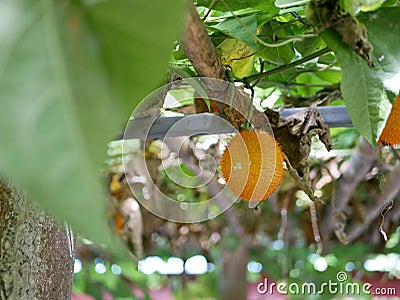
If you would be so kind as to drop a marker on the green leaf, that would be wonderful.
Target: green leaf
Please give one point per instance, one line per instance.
(189, 75)
(309, 45)
(230, 5)
(290, 3)
(282, 55)
(354, 6)
(266, 16)
(368, 92)
(244, 29)
(309, 78)
(278, 55)
(69, 77)
(136, 40)
(344, 138)
(182, 71)
(238, 56)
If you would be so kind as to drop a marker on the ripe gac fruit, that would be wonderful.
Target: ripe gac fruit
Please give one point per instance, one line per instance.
(252, 165)
(391, 133)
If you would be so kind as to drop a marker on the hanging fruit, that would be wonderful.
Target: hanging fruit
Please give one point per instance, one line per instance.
(252, 165)
(391, 133)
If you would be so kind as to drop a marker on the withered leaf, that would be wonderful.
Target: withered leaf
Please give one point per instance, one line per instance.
(294, 134)
(324, 14)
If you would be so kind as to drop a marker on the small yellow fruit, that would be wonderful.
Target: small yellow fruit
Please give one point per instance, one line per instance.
(252, 165)
(391, 133)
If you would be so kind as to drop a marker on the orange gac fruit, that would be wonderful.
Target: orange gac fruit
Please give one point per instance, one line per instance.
(391, 133)
(252, 165)
(119, 221)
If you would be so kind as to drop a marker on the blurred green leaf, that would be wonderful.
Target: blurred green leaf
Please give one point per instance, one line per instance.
(69, 76)
(121, 290)
(355, 252)
(344, 138)
(95, 289)
(205, 286)
(134, 48)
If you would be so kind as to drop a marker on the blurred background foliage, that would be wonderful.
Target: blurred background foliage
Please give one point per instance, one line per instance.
(71, 72)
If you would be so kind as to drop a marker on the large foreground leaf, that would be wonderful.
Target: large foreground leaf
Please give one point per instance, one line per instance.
(368, 92)
(69, 76)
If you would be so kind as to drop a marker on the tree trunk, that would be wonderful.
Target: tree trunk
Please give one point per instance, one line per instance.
(233, 283)
(36, 253)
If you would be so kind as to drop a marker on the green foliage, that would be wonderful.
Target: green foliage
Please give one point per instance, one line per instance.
(232, 5)
(290, 3)
(203, 287)
(357, 253)
(70, 73)
(308, 46)
(182, 177)
(276, 55)
(243, 28)
(133, 50)
(88, 281)
(344, 138)
(365, 90)
(368, 92)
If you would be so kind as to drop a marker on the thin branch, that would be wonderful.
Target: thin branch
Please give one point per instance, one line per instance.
(302, 20)
(391, 189)
(303, 184)
(314, 224)
(273, 82)
(260, 36)
(210, 9)
(384, 211)
(285, 204)
(394, 152)
(287, 67)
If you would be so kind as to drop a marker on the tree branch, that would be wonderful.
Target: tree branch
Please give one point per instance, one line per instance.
(391, 189)
(287, 67)
(199, 48)
(359, 164)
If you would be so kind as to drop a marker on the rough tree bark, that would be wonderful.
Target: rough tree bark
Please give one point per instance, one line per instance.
(199, 48)
(36, 254)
